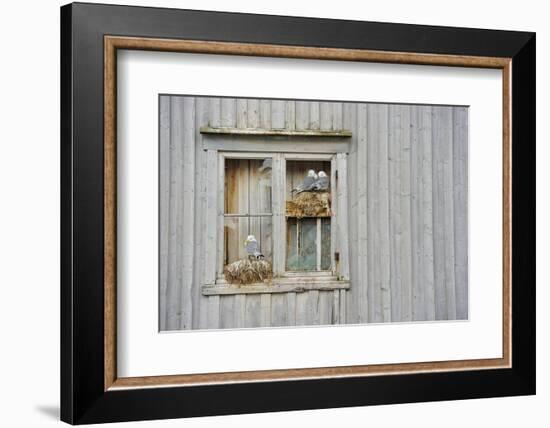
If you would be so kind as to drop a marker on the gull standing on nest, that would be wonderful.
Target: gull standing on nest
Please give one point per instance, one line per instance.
(322, 183)
(253, 248)
(307, 184)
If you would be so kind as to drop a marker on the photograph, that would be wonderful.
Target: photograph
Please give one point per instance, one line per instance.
(264, 212)
(288, 212)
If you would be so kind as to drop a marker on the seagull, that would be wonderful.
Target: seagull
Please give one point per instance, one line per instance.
(253, 248)
(322, 183)
(266, 164)
(307, 184)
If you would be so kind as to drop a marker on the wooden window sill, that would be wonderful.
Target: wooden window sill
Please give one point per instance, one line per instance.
(278, 285)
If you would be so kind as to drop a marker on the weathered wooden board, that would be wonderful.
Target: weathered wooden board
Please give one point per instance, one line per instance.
(280, 286)
(442, 171)
(404, 211)
(282, 144)
(460, 185)
(199, 301)
(164, 196)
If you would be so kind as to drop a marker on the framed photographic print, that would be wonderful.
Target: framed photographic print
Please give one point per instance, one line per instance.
(265, 213)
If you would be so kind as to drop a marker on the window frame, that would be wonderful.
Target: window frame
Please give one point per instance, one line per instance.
(323, 157)
(284, 281)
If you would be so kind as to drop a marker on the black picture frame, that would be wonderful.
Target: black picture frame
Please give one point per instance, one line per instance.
(83, 398)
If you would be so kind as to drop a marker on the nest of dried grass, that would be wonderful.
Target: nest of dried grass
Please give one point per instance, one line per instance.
(243, 272)
(309, 204)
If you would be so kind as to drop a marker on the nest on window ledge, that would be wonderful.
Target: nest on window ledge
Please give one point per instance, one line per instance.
(309, 204)
(244, 272)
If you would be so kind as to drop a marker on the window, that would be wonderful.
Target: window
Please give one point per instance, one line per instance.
(249, 195)
(248, 207)
(257, 198)
(308, 231)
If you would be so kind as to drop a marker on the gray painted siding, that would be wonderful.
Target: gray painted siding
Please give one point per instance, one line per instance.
(406, 213)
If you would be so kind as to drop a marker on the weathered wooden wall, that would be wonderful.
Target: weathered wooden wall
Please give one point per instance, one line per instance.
(407, 214)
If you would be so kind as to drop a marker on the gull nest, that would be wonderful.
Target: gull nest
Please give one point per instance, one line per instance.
(244, 272)
(309, 204)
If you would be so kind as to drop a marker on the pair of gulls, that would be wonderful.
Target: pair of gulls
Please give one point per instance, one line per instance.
(313, 182)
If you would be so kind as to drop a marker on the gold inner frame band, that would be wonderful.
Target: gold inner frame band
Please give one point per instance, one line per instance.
(113, 43)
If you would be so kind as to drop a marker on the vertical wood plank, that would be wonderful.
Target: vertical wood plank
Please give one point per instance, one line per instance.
(213, 312)
(215, 112)
(220, 245)
(291, 308)
(366, 297)
(302, 301)
(427, 273)
(418, 289)
(279, 311)
(337, 115)
(460, 179)
(227, 311)
(278, 201)
(394, 168)
(239, 311)
(312, 307)
(374, 294)
(384, 213)
(290, 115)
(443, 213)
(342, 226)
(265, 114)
(343, 307)
(265, 305)
(228, 113)
(302, 115)
(405, 202)
(325, 116)
(400, 212)
(242, 113)
(335, 307)
(358, 283)
(325, 307)
(174, 286)
(448, 189)
(334, 212)
(254, 203)
(253, 111)
(200, 302)
(252, 311)
(378, 210)
(187, 236)
(278, 114)
(164, 169)
(314, 115)
(211, 216)
(318, 244)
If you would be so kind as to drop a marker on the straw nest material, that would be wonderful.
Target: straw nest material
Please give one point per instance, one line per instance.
(309, 204)
(243, 272)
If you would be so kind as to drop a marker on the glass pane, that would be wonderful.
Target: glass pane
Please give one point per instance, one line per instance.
(236, 231)
(248, 186)
(325, 244)
(308, 243)
(301, 244)
(292, 259)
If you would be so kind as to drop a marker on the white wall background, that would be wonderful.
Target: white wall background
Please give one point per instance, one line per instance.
(29, 218)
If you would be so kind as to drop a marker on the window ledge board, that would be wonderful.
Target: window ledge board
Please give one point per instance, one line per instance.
(275, 132)
(275, 287)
